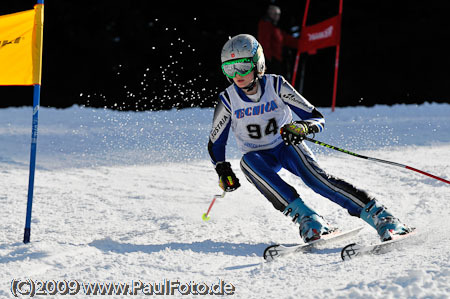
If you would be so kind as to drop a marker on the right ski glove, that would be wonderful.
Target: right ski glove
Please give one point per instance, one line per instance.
(294, 132)
(227, 179)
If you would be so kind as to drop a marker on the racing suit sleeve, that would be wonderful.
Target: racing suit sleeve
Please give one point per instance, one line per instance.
(220, 130)
(299, 105)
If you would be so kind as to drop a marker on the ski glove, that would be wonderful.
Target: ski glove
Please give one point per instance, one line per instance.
(294, 132)
(227, 179)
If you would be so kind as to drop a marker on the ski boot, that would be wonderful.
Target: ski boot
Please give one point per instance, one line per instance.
(379, 218)
(312, 226)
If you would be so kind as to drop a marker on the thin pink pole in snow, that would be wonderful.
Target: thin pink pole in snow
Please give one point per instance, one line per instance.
(205, 216)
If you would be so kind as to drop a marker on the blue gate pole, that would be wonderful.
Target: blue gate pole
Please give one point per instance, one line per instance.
(37, 72)
(36, 100)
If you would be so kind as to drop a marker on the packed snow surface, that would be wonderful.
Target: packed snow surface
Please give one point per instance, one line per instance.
(119, 198)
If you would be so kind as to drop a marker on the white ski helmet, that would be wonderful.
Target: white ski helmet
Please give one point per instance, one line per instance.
(244, 46)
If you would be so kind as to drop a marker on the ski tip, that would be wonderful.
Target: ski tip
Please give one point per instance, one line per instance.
(271, 252)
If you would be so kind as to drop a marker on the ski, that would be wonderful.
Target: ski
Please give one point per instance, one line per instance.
(275, 251)
(355, 250)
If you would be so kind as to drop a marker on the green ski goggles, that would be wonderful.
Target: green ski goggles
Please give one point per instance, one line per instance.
(241, 66)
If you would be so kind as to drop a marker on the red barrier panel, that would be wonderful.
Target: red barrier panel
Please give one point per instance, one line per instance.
(322, 35)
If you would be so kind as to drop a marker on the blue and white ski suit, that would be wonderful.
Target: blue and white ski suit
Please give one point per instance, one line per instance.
(256, 126)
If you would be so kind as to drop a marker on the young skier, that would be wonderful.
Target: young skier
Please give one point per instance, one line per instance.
(257, 107)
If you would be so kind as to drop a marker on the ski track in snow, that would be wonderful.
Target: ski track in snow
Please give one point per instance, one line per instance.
(119, 197)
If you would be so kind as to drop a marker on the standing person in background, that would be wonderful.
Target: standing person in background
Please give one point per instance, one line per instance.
(273, 39)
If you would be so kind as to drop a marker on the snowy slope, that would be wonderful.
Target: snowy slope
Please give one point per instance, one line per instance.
(119, 198)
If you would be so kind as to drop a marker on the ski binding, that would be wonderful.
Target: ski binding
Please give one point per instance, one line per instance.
(355, 250)
(275, 251)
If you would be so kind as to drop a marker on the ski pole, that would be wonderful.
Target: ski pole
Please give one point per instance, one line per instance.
(205, 216)
(375, 159)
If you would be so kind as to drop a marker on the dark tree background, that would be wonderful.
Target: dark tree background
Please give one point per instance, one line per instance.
(142, 54)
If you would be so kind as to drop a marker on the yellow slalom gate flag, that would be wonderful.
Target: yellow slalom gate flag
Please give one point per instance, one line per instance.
(21, 47)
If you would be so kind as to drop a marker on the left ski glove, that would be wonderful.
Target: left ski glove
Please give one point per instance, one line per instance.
(294, 132)
(227, 179)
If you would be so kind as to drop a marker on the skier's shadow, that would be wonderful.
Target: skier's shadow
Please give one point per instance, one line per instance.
(207, 246)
